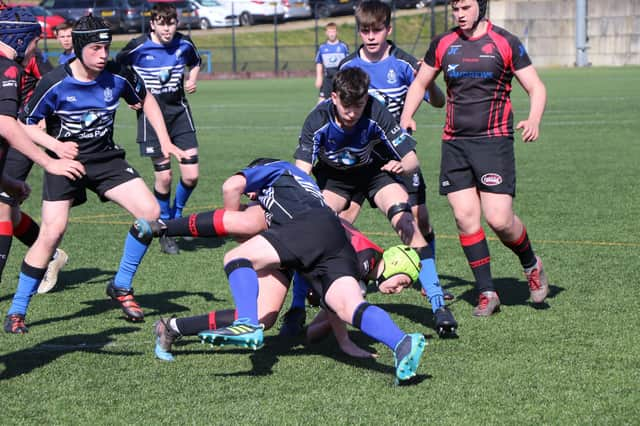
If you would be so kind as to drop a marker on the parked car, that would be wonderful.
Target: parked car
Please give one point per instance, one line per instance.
(296, 9)
(251, 11)
(121, 15)
(47, 20)
(187, 17)
(213, 14)
(326, 8)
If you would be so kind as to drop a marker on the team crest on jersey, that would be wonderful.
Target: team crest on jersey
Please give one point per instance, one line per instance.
(11, 72)
(178, 53)
(347, 159)
(392, 77)
(149, 57)
(88, 119)
(164, 76)
(108, 94)
(487, 49)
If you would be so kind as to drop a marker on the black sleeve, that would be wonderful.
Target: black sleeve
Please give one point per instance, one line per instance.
(123, 56)
(10, 75)
(313, 122)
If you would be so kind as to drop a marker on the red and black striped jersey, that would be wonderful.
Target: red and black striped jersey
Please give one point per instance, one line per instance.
(478, 73)
(369, 254)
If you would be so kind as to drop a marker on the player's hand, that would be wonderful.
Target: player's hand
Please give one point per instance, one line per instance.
(530, 130)
(17, 189)
(67, 150)
(136, 107)
(394, 167)
(409, 125)
(190, 86)
(71, 169)
(171, 149)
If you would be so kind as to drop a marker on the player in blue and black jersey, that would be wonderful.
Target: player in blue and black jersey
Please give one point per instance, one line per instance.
(354, 146)
(330, 54)
(477, 169)
(78, 101)
(161, 58)
(294, 207)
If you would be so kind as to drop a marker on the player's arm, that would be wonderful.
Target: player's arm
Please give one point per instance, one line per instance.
(531, 83)
(153, 113)
(21, 138)
(426, 75)
(436, 97)
(190, 85)
(232, 190)
(67, 149)
(319, 75)
(304, 152)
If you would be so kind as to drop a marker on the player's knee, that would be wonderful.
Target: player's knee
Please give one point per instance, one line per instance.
(190, 181)
(151, 211)
(499, 223)
(51, 233)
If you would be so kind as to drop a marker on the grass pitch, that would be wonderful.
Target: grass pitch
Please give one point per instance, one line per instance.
(574, 361)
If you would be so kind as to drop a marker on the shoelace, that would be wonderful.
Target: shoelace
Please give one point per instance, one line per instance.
(16, 322)
(128, 301)
(533, 278)
(483, 302)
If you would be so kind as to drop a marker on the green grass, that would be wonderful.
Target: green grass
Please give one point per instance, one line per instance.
(574, 362)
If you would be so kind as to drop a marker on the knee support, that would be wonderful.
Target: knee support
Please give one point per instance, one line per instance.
(398, 208)
(357, 315)
(162, 167)
(190, 160)
(237, 264)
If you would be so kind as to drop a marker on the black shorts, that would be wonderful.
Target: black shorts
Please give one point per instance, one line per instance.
(315, 245)
(358, 183)
(487, 164)
(17, 166)
(326, 88)
(100, 177)
(181, 129)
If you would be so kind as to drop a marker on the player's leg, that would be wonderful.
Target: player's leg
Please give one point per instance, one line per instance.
(498, 212)
(6, 233)
(189, 173)
(273, 287)
(392, 199)
(134, 196)
(163, 177)
(344, 297)
(55, 216)
(215, 223)
(241, 265)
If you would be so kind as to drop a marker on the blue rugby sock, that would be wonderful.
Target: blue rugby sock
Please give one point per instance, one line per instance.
(431, 284)
(28, 283)
(183, 192)
(133, 252)
(376, 323)
(164, 200)
(300, 288)
(243, 282)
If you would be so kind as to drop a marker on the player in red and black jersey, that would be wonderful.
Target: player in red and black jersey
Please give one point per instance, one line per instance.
(477, 170)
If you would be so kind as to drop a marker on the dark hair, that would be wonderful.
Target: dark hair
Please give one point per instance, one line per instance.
(165, 12)
(372, 12)
(87, 30)
(482, 5)
(351, 85)
(64, 26)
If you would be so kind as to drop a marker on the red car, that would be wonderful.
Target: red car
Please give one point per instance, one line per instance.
(48, 21)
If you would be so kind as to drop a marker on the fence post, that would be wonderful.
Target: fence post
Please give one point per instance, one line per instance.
(234, 60)
(276, 65)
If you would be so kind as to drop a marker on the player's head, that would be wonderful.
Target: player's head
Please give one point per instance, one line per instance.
(63, 35)
(470, 12)
(91, 38)
(350, 94)
(164, 22)
(373, 19)
(331, 30)
(19, 30)
(401, 268)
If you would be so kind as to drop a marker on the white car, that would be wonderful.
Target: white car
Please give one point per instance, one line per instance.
(213, 14)
(251, 11)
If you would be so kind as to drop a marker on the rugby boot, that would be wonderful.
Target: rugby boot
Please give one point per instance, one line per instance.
(50, 278)
(165, 336)
(240, 333)
(538, 282)
(148, 229)
(124, 297)
(446, 324)
(488, 303)
(407, 356)
(168, 245)
(14, 323)
(293, 322)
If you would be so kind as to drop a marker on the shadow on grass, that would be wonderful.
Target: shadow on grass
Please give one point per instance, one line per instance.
(152, 304)
(27, 360)
(200, 243)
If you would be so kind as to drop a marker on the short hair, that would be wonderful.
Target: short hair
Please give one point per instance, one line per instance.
(372, 12)
(330, 25)
(165, 12)
(351, 85)
(66, 25)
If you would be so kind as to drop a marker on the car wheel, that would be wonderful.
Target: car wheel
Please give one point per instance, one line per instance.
(245, 19)
(204, 24)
